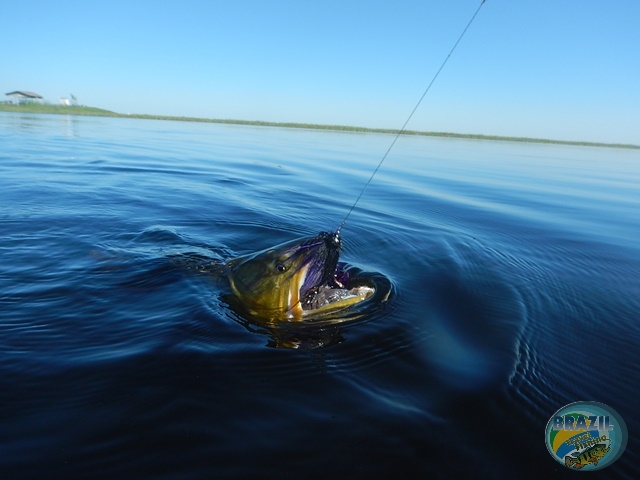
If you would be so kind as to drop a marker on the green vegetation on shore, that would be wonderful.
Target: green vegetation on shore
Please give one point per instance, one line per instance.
(35, 107)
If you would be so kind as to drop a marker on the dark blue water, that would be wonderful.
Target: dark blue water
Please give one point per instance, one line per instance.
(516, 275)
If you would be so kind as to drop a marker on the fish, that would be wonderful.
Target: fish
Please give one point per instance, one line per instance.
(590, 455)
(294, 281)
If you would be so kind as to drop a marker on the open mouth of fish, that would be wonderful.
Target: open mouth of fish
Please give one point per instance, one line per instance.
(296, 280)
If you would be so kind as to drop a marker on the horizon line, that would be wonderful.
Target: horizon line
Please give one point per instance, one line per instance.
(44, 108)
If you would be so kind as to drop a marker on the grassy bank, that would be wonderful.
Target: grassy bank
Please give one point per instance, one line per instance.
(34, 107)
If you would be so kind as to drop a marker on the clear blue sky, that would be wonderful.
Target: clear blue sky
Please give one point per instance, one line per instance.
(560, 69)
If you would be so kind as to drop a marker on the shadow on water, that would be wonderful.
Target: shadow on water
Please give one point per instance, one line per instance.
(474, 319)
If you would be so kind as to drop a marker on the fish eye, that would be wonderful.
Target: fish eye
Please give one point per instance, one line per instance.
(281, 267)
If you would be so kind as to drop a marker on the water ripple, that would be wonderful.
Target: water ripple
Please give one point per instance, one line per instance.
(515, 291)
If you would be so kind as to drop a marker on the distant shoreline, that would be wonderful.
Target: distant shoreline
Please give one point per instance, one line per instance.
(98, 112)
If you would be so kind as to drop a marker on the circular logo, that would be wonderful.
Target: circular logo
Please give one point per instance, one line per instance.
(586, 436)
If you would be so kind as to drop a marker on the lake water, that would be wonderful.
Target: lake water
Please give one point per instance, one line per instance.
(516, 276)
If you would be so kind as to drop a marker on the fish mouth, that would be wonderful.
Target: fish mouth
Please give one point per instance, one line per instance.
(315, 263)
(321, 284)
(318, 266)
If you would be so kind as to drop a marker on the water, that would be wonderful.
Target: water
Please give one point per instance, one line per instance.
(515, 270)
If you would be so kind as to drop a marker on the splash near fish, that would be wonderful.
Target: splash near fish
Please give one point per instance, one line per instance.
(586, 436)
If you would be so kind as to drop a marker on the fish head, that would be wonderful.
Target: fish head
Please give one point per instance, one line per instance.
(273, 283)
(599, 450)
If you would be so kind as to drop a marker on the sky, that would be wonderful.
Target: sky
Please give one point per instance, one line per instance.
(556, 69)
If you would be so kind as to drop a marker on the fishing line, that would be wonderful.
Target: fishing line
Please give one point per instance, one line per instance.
(395, 139)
